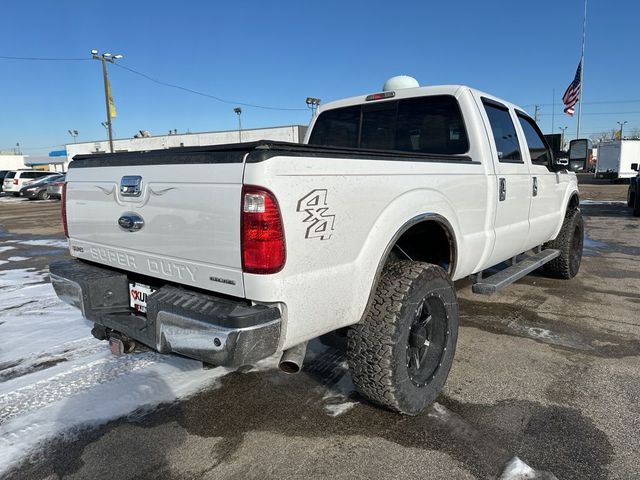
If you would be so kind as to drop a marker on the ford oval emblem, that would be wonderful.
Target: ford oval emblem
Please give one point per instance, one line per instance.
(131, 222)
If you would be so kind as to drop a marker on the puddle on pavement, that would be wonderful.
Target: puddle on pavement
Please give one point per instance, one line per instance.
(509, 319)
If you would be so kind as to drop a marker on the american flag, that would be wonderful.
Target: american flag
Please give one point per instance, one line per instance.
(572, 95)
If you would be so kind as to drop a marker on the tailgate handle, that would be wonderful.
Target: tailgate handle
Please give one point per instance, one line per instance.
(130, 186)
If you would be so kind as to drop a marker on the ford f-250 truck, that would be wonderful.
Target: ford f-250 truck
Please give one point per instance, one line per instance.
(232, 253)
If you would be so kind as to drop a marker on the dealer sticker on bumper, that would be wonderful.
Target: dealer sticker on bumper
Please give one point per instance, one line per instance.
(138, 294)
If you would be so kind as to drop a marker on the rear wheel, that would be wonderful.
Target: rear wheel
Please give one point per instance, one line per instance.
(569, 241)
(401, 352)
(43, 195)
(636, 205)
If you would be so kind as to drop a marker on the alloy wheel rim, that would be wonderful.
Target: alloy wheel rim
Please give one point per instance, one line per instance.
(427, 341)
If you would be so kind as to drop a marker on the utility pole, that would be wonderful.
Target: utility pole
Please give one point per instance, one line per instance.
(535, 113)
(622, 124)
(562, 137)
(108, 100)
(553, 111)
(238, 112)
(74, 134)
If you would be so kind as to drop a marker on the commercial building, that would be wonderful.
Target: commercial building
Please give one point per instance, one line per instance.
(145, 141)
(11, 161)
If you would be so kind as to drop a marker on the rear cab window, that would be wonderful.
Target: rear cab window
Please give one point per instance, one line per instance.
(10, 175)
(426, 125)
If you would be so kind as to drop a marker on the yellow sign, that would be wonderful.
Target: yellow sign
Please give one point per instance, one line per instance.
(112, 106)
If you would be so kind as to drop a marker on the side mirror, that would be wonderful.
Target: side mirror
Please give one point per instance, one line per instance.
(634, 166)
(579, 154)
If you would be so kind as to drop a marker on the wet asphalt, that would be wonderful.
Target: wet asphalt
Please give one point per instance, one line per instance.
(546, 370)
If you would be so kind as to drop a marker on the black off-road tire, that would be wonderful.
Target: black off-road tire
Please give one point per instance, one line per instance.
(378, 347)
(569, 241)
(631, 199)
(636, 206)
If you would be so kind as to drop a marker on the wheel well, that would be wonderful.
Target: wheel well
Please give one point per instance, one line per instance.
(428, 241)
(574, 202)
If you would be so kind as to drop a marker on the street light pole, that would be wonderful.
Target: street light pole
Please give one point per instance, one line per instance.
(238, 112)
(74, 134)
(313, 104)
(622, 124)
(562, 137)
(104, 58)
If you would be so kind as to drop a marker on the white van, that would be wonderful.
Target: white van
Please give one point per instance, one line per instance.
(15, 180)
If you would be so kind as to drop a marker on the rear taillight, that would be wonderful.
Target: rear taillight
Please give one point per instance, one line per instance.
(263, 245)
(63, 209)
(15, 181)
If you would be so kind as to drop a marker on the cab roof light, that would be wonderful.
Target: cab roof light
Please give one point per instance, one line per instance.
(380, 96)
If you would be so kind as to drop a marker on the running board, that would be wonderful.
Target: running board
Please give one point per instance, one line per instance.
(487, 286)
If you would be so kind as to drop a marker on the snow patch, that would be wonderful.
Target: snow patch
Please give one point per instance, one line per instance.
(17, 259)
(6, 249)
(56, 378)
(2, 262)
(336, 409)
(46, 242)
(516, 469)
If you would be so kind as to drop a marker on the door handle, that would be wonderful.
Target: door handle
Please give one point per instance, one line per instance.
(535, 186)
(503, 189)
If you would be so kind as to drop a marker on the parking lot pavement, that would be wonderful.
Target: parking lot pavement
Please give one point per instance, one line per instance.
(546, 371)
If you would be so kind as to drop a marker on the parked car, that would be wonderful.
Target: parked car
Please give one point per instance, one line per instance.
(395, 195)
(633, 194)
(2, 175)
(15, 180)
(55, 189)
(38, 190)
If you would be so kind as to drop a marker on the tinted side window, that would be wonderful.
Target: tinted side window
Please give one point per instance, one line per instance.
(431, 125)
(27, 175)
(42, 174)
(10, 175)
(337, 128)
(538, 149)
(504, 133)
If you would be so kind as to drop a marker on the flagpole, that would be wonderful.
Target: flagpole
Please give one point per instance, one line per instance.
(584, 33)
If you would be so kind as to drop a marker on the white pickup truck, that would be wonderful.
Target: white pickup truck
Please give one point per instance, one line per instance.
(232, 253)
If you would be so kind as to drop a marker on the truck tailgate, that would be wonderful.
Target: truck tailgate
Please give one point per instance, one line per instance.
(189, 203)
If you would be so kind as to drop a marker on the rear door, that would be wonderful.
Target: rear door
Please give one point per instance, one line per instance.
(7, 183)
(189, 206)
(511, 224)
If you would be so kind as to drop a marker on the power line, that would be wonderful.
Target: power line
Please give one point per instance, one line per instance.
(196, 92)
(159, 82)
(599, 102)
(602, 113)
(44, 59)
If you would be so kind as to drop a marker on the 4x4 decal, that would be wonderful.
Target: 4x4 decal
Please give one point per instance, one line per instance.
(314, 204)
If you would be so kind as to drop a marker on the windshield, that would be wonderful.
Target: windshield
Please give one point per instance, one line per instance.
(45, 180)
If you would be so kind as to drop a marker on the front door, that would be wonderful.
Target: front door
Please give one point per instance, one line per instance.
(547, 187)
(512, 184)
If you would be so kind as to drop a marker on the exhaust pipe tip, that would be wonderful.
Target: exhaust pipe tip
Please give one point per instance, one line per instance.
(293, 358)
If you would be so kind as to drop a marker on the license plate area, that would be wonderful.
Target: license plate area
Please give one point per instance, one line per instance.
(138, 295)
